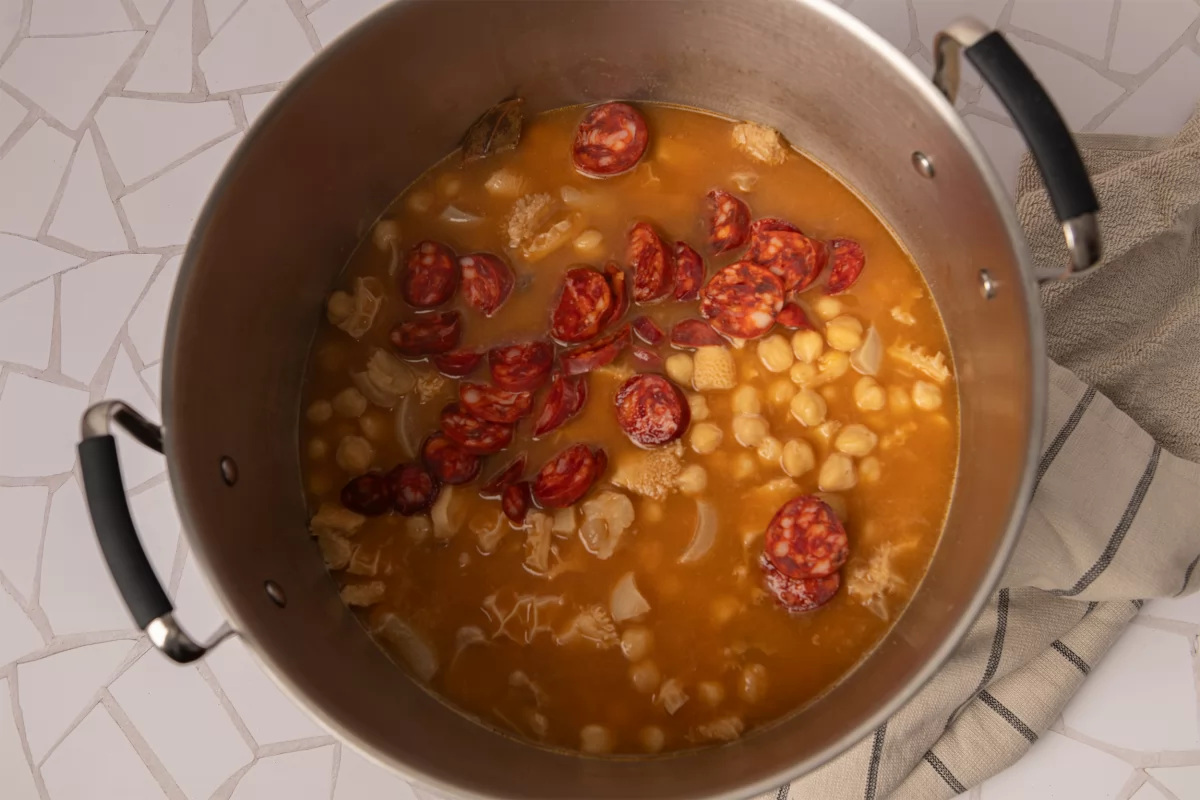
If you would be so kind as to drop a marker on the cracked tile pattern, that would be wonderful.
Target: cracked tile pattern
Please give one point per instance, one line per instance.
(115, 118)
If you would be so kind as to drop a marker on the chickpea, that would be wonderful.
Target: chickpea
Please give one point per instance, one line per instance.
(706, 437)
(652, 738)
(770, 449)
(339, 307)
(693, 479)
(589, 241)
(698, 405)
(375, 427)
(420, 201)
(856, 440)
(780, 393)
(827, 307)
(349, 403)
(753, 684)
(775, 353)
(807, 345)
(899, 400)
(711, 693)
(745, 400)
(809, 408)
(386, 234)
(837, 473)
(798, 457)
(869, 395)
(319, 411)
(652, 511)
(596, 739)
(645, 676)
(844, 333)
(750, 429)
(354, 455)
(744, 467)
(449, 185)
(870, 470)
(418, 528)
(725, 608)
(834, 364)
(802, 374)
(926, 396)
(317, 448)
(680, 369)
(636, 642)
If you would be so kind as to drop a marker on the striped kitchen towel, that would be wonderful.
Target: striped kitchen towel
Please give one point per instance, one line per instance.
(1115, 516)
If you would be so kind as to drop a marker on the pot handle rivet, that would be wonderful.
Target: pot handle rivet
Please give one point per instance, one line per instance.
(229, 471)
(275, 592)
(987, 286)
(923, 164)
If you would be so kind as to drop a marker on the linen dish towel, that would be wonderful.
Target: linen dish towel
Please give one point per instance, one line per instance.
(1115, 511)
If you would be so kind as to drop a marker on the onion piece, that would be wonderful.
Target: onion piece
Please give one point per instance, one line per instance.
(626, 601)
(402, 420)
(446, 521)
(704, 536)
(869, 355)
(413, 648)
(457, 215)
(465, 637)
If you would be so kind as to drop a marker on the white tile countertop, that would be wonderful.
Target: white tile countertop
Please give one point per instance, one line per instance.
(115, 116)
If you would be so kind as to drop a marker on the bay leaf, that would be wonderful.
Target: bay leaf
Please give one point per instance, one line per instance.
(497, 130)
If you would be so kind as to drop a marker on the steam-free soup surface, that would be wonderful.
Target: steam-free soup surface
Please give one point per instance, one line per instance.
(523, 637)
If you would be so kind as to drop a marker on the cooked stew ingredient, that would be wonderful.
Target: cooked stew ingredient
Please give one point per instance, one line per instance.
(633, 435)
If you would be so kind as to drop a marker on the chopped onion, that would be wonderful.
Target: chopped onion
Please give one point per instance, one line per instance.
(453, 214)
(744, 181)
(626, 601)
(672, 695)
(412, 647)
(869, 355)
(465, 637)
(403, 428)
(704, 536)
(446, 521)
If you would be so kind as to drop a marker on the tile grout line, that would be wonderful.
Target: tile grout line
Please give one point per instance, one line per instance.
(143, 182)
(1111, 39)
(142, 748)
(18, 716)
(112, 183)
(206, 673)
(310, 33)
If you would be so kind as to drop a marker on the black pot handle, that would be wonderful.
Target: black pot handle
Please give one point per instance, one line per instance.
(127, 561)
(1040, 123)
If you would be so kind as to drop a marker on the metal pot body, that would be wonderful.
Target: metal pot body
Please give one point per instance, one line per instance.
(391, 98)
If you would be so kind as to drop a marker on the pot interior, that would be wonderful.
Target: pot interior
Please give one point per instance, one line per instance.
(393, 97)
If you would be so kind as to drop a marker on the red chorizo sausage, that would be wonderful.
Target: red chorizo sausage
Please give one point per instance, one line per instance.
(476, 435)
(506, 477)
(495, 405)
(566, 477)
(560, 404)
(647, 358)
(457, 363)
(653, 264)
(848, 262)
(521, 367)
(692, 333)
(728, 221)
(742, 300)
(793, 257)
(413, 489)
(648, 331)
(514, 501)
(792, 317)
(368, 494)
(689, 272)
(449, 461)
(583, 306)
(594, 355)
(428, 335)
(618, 282)
(611, 139)
(764, 224)
(799, 594)
(805, 539)
(651, 410)
(430, 275)
(486, 282)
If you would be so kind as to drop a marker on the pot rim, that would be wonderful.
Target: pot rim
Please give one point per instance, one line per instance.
(1001, 204)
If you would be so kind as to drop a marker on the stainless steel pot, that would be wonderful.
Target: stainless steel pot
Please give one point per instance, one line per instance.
(392, 97)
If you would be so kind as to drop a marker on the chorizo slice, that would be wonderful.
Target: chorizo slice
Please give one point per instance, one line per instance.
(764, 224)
(694, 333)
(594, 355)
(495, 405)
(583, 306)
(805, 539)
(413, 489)
(728, 221)
(648, 331)
(566, 477)
(486, 282)
(368, 494)
(560, 404)
(430, 274)
(653, 264)
(792, 317)
(581, 395)
(457, 363)
(647, 358)
(793, 257)
(428, 335)
(651, 410)
(449, 461)
(848, 262)
(477, 436)
(506, 477)
(618, 283)
(799, 594)
(611, 139)
(689, 272)
(742, 300)
(514, 501)
(521, 367)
